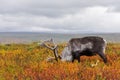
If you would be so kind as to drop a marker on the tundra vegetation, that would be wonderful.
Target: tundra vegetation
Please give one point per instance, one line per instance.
(28, 62)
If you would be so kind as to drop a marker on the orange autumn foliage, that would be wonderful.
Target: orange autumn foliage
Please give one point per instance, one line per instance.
(28, 62)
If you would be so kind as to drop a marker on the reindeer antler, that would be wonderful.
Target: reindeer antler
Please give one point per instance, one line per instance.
(53, 47)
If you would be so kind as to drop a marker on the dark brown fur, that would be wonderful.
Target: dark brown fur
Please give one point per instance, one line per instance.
(98, 47)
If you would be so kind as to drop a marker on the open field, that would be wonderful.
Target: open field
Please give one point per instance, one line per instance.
(28, 62)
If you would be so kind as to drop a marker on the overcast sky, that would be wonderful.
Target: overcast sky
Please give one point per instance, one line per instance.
(64, 16)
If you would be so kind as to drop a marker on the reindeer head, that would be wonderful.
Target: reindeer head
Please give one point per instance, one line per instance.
(65, 54)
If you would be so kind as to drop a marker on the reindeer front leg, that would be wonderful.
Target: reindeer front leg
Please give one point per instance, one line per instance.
(76, 55)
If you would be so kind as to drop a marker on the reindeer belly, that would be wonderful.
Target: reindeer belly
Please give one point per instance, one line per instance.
(87, 52)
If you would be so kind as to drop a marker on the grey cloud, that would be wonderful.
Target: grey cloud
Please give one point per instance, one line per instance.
(52, 8)
(59, 16)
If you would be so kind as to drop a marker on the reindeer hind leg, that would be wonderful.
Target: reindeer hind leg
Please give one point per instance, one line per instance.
(102, 55)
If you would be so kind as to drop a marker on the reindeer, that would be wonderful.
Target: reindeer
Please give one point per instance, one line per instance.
(77, 47)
